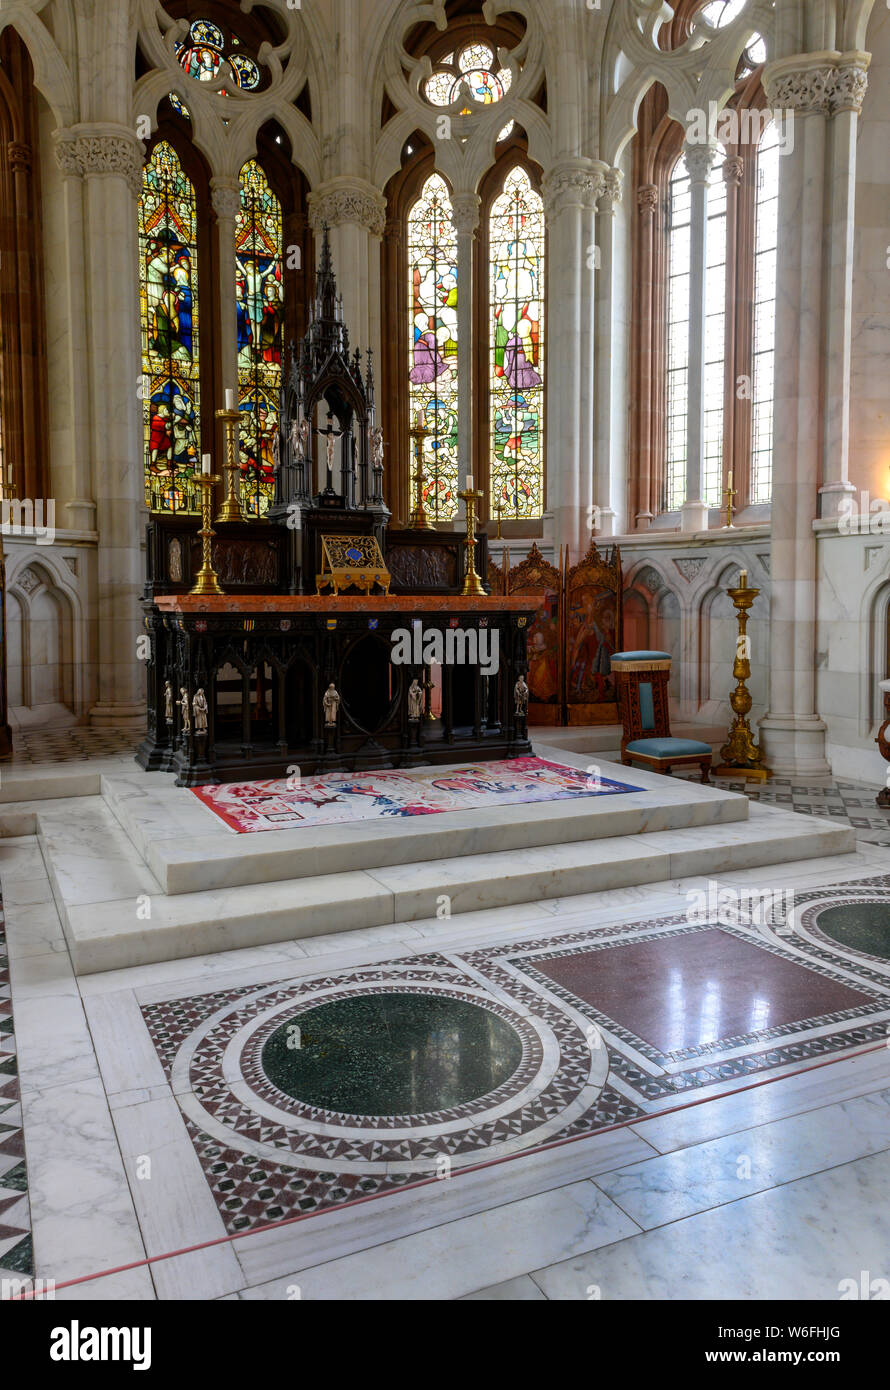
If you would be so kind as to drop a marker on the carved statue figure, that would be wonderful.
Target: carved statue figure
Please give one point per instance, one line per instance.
(168, 702)
(300, 438)
(377, 447)
(520, 695)
(331, 704)
(199, 710)
(415, 701)
(184, 706)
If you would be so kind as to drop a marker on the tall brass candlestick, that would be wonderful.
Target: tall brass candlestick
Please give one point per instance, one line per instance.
(231, 507)
(207, 582)
(729, 492)
(419, 521)
(472, 583)
(741, 755)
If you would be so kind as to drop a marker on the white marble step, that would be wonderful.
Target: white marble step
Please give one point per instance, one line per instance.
(115, 913)
(190, 850)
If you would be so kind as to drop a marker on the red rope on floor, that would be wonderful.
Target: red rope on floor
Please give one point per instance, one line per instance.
(472, 1168)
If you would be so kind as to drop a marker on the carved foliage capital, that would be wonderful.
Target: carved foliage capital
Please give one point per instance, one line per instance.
(824, 89)
(647, 199)
(348, 203)
(465, 211)
(610, 196)
(572, 185)
(734, 170)
(699, 161)
(80, 154)
(226, 199)
(20, 156)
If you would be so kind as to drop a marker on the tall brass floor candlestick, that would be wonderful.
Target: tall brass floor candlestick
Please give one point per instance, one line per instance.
(419, 521)
(472, 583)
(231, 507)
(741, 755)
(207, 582)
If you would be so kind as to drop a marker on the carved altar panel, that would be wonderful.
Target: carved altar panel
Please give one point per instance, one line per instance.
(546, 647)
(593, 592)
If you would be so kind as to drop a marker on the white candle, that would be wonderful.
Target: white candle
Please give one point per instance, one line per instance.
(230, 399)
(469, 486)
(729, 480)
(743, 579)
(205, 463)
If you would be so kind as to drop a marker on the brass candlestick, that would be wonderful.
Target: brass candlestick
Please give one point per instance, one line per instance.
(419, 521)
(231, 507)
(498, 511)
(741, 755)
(473, 585)
(206, 582)
(428, 696)
(729, 493)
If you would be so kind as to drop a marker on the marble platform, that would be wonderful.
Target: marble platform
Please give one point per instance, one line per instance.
(141, 872)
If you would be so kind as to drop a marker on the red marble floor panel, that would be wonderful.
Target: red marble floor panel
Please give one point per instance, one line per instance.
(693, 990)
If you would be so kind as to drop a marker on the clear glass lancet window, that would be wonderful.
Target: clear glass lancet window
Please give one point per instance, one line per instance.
(715, 339)
(168, 289)
(516, 367)
(679, 254)
(765, 258)
(432, 366)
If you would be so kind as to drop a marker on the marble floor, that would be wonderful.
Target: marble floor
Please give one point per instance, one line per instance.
(548, 1128)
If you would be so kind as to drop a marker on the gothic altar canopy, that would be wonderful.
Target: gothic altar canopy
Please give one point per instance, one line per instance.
(257, 668)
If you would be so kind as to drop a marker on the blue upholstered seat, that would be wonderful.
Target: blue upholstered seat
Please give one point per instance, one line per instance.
(641, 656)
(669, 747)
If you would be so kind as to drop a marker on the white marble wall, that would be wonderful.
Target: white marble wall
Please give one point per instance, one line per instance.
(50, 620)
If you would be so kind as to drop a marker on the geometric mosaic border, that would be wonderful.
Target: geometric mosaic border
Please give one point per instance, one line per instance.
(16, 1251)
(267, 1156)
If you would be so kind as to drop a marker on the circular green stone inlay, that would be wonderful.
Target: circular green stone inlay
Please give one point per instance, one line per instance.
(391, 1054)
(861, 926)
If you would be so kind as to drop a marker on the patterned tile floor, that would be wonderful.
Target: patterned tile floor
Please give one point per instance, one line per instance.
(616, 1022)
(72, 744)
(15, 1220)
(852, 802)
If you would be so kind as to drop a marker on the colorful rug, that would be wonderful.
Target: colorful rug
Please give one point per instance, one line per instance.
(350, 796)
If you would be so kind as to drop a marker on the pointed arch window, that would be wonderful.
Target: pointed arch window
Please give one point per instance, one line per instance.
(432, 366)
(679, 212)
(516, 348)
(259, 294)
(171, 387)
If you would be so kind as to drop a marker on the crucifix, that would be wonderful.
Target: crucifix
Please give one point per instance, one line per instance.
(330, 435)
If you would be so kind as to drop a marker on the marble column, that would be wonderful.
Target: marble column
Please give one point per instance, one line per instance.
(699, 161)
(793, 735)
(465, 217)
(571, 189)
(226, 198)
(848, 89)
(355, 212)
(108, 160)
(609, 371)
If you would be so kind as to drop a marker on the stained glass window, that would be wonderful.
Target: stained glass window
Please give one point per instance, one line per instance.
(170, 344)
(432, 368)
(715, 339)
(202, 55)
(516, 251)
(259, 294)
(765, 248)
(476, 67)
(679, 257)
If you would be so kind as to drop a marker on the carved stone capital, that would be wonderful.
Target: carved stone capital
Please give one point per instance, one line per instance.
(465, 211)
(734, 170)
(574, 183)
(100, 152)
(348, 200)
(20, 156)
(611, 194)
(822, 83)
(225, 195)
(699, 161)
(647, 199)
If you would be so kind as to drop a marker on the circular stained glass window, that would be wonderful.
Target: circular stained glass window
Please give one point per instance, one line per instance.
(203, 53)
(392, 1054)
(474, 69)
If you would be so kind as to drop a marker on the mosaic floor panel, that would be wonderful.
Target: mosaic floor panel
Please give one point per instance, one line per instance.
(423, 1065)
(852, 802)
(16, 1256)
(71, 744)
(348, 796)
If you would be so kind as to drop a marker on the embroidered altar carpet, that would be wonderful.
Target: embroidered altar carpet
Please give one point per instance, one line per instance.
(349, 796)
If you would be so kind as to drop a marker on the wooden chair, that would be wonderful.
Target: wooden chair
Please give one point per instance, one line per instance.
(642, 679)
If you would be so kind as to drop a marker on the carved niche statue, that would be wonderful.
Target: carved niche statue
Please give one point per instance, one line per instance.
(184, 706)
(168, 702)
(415, 701)
(199, 710)
(520, 695)
(331, 704)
